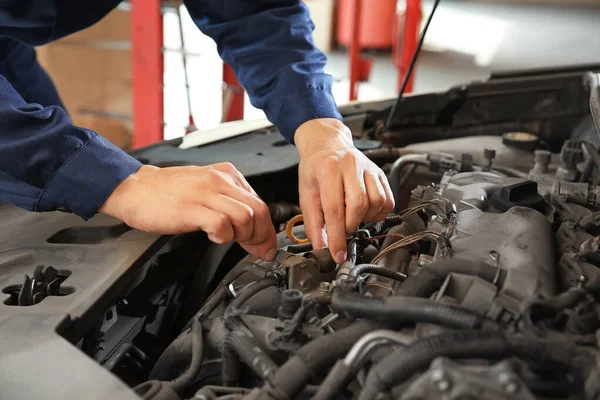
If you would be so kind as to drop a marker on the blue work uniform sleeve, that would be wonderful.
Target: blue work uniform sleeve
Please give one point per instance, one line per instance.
(269, 45)
(47, 163)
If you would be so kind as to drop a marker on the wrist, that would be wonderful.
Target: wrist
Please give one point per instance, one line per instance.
(322, 133)
(117, 201)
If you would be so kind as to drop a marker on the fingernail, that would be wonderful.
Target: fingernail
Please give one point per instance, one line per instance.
(340, 256)
(271, 254)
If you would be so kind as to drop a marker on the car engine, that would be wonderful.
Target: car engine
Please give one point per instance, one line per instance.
(482, 284)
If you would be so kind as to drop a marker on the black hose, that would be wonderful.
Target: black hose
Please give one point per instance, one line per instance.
(430, 277)
(181, 383)
(240, 342)
(549, 308)
(323, 351)
(397, 368)
(407, 310)
(252, 290)
(310, 359)
(377, 270)
(220, 293)
(337, 378)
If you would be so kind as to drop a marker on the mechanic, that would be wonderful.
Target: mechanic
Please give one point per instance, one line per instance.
(47, 163)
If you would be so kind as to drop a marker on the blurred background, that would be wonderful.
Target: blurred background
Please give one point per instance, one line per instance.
(465, 42)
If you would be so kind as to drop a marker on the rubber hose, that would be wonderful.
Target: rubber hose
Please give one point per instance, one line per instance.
(310, 359)
(220, 293)
(407, 310)
(245, 345)
(251, 354)
(187, 378)
(549, 308)
(252, 290)
(395, 369)
(377, 270)
(430, 277)
(338, 378)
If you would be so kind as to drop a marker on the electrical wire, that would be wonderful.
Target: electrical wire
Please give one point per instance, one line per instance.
(411, 239)
(411, 67)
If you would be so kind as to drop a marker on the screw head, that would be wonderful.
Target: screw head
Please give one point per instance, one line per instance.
(511, 386)
(324, 287)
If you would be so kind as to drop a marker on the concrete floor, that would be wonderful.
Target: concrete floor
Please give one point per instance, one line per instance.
(466, 41)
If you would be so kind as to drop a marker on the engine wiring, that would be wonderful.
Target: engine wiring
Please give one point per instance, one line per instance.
(407, 241)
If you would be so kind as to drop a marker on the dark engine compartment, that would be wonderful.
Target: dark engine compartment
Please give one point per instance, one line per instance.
(483, 284)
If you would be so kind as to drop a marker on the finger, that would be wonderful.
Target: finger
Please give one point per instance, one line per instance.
(262, 224)
(216, 225)
(377, 196)
(390, 202)
(356, 199)
(224, 183)
(237, 176)
(331, 190)
(240, 215)
(267, 250)
(312, 214)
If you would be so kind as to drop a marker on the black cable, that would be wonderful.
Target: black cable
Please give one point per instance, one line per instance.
(408, 310)
(239, 341)
(187, 378)
(395, 369)
(413, 61)
(251, 291)
(220, 293)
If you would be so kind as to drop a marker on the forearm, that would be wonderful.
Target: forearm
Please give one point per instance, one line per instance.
(269, 44)
(47, 163)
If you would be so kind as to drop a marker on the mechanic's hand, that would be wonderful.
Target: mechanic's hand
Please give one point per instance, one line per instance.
(339, 186)
(215, 199)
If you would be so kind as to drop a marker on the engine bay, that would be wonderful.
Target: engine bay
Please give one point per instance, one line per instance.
(483, 284)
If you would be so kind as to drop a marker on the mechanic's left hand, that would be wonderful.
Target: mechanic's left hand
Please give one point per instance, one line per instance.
(339, 186)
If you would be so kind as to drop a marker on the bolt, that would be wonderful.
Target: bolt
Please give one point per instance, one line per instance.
(511, 386)
(324, 287)
(582, 280)
(439, 378)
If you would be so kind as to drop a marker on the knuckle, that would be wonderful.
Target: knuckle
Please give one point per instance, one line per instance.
(214, 176)
(227, 167)
(244, 216)
(263, 212)
(360, 203)
(222, 224)
(379, 200)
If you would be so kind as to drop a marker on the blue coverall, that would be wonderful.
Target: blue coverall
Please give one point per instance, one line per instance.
(47, 163)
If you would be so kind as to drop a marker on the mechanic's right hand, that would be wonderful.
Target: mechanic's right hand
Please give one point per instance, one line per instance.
(216, 199)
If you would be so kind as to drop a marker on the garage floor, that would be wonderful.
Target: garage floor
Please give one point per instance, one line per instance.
(465, 42)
